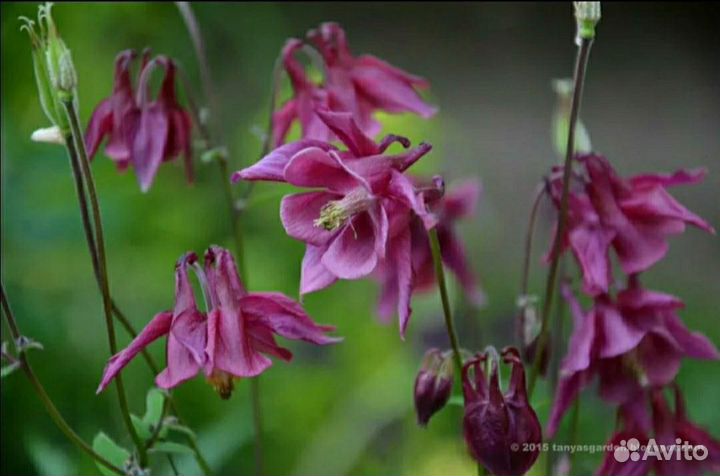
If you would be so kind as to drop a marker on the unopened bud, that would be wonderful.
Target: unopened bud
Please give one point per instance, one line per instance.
(433, 384)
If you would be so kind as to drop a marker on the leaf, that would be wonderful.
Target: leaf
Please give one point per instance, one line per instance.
(181, 429)
(111, 451)
(171, 447)
(8, 369)
(143, 429)
(154, 404)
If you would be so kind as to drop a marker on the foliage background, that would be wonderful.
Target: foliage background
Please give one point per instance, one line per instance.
(651, 103)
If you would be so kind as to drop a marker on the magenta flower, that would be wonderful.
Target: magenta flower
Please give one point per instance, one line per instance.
(140, 131)
(231, 339)
(433, 384)
(502, 431)
(633, 216)
(361, 215)
(307, 97)
(631, 343)
(364, 84)
(459, 202)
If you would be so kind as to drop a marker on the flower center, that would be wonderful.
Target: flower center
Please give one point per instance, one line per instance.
(335, 213)
(222, 382)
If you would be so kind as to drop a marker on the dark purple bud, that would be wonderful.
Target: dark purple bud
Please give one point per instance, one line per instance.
(502, 431)
(433, 384)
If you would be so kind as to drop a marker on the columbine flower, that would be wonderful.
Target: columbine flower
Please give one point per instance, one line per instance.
(633, 216)
(230, 340)
(364, 84)
(499, 427)
(141, 131)
(433, 384)
(634, 342)
(360, 218)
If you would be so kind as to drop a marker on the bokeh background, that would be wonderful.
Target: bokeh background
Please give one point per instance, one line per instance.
(651, 103)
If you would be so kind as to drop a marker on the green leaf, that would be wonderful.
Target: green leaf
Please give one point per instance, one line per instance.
(181, 429)
(8, 369)
(154, 404)
(171, 447)
(111, 451)
(143, 429)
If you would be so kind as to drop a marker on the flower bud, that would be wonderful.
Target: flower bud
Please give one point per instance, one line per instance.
(53, 66)
(502, 431)
(433, 384)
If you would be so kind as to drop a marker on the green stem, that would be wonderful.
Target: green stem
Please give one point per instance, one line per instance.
(193, 29)
(47, 402)
(82, 157)
(578, 83)
(447, 312)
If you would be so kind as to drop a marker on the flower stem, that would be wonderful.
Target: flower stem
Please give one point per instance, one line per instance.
(196, 36)
(47, 402)
(447, 312)
(578, 83)
(82, 157)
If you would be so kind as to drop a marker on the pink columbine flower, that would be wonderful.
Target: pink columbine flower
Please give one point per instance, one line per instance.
(362, 213)
(364, 84)
(142, 132)
(232, 339)
(459, 202)
(632, 342)
(633, 216)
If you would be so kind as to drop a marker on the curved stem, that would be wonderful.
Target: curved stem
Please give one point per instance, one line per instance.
(47, 402)
(102, 266)
(578, 83)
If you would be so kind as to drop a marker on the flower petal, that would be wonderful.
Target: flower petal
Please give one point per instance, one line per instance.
(156, 328)
(455, 258)
(351, 255)
(149, 144)
(315, 167)
(229, 347)
(314, 275)
(343, 125)
(285, 317)
(590, 245)
(100, 124)
(399, 255)
(272, 166)
(298, 213)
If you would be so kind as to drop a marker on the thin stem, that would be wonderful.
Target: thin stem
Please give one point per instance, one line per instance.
(102, 266)
(55, 414)
(200, 459)
(89, 238)
(447, 312)
(526, 262)
(196, 36)
(578, 82)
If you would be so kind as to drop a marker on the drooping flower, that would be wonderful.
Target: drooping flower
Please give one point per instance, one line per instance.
(364, 84)
(231, 339)
(631, 343)
(631, 439)
(361, 215)
(633, 216)
(499, 427)
(433, 384)
(142, 132)
(459, 202)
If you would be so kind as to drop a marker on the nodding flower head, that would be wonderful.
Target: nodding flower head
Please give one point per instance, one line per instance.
(231, 339)
(499, 426)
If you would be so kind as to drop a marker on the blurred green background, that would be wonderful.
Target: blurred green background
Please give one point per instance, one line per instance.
(651, 103)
